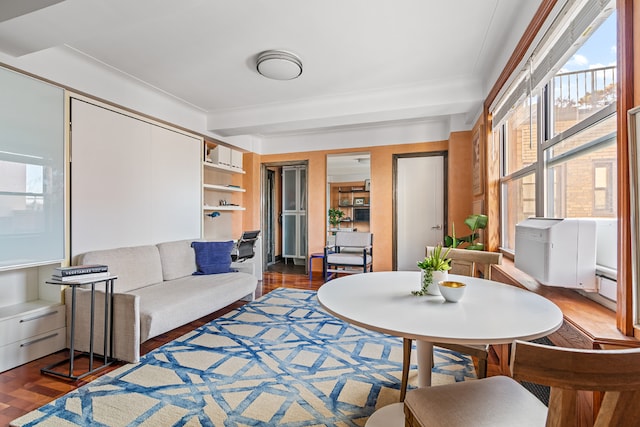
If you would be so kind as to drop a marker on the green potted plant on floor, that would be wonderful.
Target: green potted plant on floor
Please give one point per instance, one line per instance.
(434, 268)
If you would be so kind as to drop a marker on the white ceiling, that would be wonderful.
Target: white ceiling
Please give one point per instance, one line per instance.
(366, 62)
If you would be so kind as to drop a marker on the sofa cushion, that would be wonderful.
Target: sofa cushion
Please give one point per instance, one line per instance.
(213, 257)
(167, 305)
(135, 266)
(178, 259)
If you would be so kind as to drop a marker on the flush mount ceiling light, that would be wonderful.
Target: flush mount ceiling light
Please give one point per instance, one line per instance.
(279, 65)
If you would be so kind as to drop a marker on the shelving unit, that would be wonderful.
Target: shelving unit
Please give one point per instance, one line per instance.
(222, 208)
(222, 167)
(221, 170)
(216, 187)
(219, 181)
(344, 196)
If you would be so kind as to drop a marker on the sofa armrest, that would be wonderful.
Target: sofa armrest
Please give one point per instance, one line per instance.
(126, 323)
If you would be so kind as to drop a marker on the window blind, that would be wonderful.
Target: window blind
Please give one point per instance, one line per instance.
(31, 171)
(575, 21)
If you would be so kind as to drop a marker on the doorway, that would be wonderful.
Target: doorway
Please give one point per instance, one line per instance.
(269, 208)
(285, 230)
(420, 208)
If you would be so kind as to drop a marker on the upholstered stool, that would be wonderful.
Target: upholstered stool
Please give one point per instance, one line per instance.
(494, 401)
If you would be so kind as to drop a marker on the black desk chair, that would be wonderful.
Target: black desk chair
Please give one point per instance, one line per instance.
(244, 248)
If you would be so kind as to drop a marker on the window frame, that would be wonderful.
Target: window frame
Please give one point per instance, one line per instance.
(543, 97)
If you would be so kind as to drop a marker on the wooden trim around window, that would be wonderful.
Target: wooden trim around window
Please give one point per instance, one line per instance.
(625, 53)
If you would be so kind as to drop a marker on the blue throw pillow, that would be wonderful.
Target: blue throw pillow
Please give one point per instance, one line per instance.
(213, 257)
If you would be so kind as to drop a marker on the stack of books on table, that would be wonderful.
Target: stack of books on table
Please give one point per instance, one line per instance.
(80, 272)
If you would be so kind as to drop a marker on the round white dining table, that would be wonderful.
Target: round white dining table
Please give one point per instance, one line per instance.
(489, 312)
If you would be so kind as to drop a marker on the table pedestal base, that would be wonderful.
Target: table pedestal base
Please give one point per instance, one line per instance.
(425, 362)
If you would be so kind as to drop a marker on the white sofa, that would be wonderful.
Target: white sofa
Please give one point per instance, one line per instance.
(155, 292)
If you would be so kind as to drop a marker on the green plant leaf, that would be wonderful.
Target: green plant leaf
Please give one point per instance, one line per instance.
(476, 221)
(437, 260)
(450, 242)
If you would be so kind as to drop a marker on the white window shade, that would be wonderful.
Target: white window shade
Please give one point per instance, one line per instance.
(574, 22)
(31, 171)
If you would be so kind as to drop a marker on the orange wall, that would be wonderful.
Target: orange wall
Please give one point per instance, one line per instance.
(460, 182)
(459, 189)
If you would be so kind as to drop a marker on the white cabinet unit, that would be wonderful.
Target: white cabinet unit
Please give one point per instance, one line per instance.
(32, 323)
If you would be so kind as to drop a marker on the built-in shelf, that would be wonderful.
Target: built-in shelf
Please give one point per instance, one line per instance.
(223, 188)
(222, 208)
(223, 167)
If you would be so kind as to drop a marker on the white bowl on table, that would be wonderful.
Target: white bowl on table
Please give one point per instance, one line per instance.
(452, 291)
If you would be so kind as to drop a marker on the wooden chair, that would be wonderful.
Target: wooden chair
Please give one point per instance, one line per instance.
(352, 252)
(502, 401)
(467, 263)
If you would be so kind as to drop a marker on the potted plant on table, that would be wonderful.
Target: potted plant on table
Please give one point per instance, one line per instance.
(434, 268)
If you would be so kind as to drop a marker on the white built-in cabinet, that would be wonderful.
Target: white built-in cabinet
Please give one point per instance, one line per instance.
(32, 318)
(32, 217)
(133, 181)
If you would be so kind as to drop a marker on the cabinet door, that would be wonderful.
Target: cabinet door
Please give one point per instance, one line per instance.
(132, 182)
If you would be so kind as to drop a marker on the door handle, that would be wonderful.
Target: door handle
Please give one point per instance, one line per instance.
(437, 227)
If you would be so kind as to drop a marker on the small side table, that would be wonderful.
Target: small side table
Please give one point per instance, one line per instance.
(108, 328)
(311, 258)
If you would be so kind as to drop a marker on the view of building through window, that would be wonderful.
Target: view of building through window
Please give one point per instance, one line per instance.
(576, 141)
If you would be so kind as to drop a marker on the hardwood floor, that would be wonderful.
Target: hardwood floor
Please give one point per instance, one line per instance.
(24, 388)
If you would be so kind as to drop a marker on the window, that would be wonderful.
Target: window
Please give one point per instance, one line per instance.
(556, 126)
(603, 187)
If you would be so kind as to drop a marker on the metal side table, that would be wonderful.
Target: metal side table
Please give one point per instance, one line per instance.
(108, 328)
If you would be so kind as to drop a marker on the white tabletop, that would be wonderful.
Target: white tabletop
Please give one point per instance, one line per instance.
(489, 313)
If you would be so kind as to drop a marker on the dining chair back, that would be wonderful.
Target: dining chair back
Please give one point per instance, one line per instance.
(502, 401)
(471, 262)
(466, 263)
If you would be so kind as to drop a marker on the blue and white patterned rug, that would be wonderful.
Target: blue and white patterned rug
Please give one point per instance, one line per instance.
(278, 361)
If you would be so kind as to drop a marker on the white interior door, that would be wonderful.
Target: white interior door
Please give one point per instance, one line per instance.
(419, 208)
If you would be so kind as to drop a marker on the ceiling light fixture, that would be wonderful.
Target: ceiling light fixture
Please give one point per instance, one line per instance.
(279, 65)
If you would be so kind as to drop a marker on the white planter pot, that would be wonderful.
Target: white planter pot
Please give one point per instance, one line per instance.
(437, 276)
